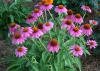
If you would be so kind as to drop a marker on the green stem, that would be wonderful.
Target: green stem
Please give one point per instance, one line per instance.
(51, 16)
(40, 20)
(50, 35)
(84, 15)
(53, 20)
(27, 59)
(42, 44)
(45, 16)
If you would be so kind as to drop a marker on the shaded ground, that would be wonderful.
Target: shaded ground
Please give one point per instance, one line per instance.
(4, 51)
(91, 63)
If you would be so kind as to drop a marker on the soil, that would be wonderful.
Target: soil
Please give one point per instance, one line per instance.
(4, 51)
(90, 63)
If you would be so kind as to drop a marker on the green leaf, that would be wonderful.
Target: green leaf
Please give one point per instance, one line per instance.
(64, 2)
(78, 63)
(44, 56)
(86, 52)
(34, 68)
(12, 18)
(69, 42)
(58, 1)
(13, 67)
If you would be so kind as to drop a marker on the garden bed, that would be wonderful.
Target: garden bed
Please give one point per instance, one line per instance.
(91, 63)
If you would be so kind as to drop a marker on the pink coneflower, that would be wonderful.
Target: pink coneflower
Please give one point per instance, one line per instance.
(17, 38)
(36, 32)
(76, 50)
(13, 27)
(93, 22)
(86, 8)
(92, 43)
(37, 12)
(67, 24)
(78, 19)
(53, 46)
(39, 4)
(48, 26)
(26, 31)
(46, 6)
(60, 9)
(21, 51)
(41, 27)
(86, 29)
(75, 32)
(70, 15)
(31, 19)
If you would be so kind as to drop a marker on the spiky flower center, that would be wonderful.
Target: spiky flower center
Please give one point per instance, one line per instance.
(77, 48)
(87, 7)
(29, 16)
(48, 1)
(78, 16)
(94, 22)
(46, 4)
(60, 6)
(35, 29)
(53, 42)
(17, 35)
(12, 25)
(25, 29)
(91, 43)
(75, 29)
(47, 24)
(70, 12)
(68, 22)
(40, 25)
(36, 10)
(40, 3)
(87, 26)
(20, 49)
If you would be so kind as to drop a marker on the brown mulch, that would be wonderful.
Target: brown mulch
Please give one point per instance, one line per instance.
(90, 63)
(4, 51)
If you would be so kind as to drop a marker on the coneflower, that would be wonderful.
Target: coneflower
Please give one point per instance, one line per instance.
(60, 9)
(53, 46)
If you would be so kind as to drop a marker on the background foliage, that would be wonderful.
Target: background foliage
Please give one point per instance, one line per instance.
(75, 4)
(12, 11)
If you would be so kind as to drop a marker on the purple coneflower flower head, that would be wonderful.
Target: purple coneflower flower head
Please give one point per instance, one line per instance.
(86, 8)
(53, 46)
(86, 29)
(20, 51)
(75, 32)
(31, 19)
(37, 12)
(93, 22)
(46, 6)
(48, 26)
(70, 15)
(60, 9)
(17, 38)
(13, 27)
(41, 27)
(36, 32)
(78, 19)
(26, 31)
(39, 4)
(67, 24)
(76, 50)
(92, 44)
